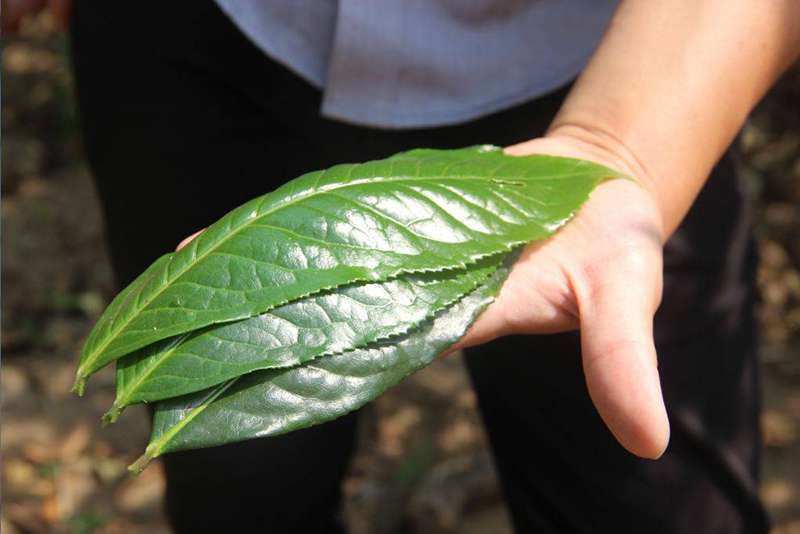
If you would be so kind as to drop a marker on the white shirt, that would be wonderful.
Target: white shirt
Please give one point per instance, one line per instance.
(420, 63)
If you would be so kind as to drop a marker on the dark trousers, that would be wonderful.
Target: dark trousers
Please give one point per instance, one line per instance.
(184, 119)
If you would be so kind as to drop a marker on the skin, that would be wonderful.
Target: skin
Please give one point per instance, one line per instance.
(661, 99)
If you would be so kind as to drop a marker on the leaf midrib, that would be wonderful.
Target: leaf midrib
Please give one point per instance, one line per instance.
(131, 387)
(174, 430)
(178, 343)
(290, 202)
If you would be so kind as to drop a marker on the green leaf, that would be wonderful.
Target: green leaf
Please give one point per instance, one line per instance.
(272, 402)
(345, 318)
(423, 210)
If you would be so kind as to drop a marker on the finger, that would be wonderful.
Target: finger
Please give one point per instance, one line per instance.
(619, 357)
(526, 303)
(518, 309)
(189, 239)
(490, 325)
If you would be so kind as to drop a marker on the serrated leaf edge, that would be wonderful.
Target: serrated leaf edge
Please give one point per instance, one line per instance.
(153, 451)
(82, 375)
(118, 406)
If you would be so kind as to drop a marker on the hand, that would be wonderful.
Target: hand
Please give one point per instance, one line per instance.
(14, 11)
(600, 273)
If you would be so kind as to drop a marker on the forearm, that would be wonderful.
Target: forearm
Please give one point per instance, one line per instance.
(672, 83)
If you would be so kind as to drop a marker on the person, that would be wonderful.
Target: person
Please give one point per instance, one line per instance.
(191, 108)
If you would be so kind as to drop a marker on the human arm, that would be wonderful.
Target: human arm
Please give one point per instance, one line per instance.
(663, 96)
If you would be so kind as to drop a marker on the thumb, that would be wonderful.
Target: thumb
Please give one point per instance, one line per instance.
(619, 356)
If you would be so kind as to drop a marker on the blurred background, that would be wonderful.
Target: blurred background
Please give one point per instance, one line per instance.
(422, 465)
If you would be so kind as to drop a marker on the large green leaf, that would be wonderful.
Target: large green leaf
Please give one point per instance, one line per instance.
(272, 402)
(423, 210)
(339, 320)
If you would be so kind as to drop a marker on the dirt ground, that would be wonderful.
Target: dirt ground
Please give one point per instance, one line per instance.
(422, 465)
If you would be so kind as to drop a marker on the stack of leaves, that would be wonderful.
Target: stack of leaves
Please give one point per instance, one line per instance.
(310, 301)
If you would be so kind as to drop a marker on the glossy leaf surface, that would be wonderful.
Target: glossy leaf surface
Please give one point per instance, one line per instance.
(423, 210)
(342, 319)
(272, 402)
